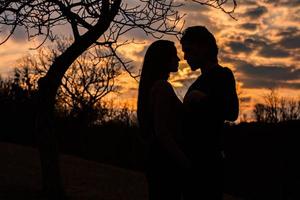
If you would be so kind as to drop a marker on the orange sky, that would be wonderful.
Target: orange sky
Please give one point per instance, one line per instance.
(262, 47)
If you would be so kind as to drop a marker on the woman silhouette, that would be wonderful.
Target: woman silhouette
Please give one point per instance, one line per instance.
(159, 112)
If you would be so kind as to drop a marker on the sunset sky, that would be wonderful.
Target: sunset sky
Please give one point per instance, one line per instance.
(262, 47)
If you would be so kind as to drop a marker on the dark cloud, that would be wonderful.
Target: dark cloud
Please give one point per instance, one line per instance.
(245, 99)
(194, 7)
(271, 51)
(249, 2)
(259, 83)
(267, 76)
(283, 73)
(119, 87)
(287, 3)
(289, 31)
(20, 34)
(251, 44)
(291, 41)
(204, 19)
(290, 38)
(255, 13)
(256, 41)
(250, 26)
(237, 47)
(263, 46)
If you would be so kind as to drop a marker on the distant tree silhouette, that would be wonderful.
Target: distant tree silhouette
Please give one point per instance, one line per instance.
(260, 112)
(17, 111)
(86, 82)
(276, 109)
(289, 109)
(96, 22)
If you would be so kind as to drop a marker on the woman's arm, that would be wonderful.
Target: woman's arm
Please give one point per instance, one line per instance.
(165, 122)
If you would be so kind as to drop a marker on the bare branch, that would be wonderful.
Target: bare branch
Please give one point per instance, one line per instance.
(219, 4)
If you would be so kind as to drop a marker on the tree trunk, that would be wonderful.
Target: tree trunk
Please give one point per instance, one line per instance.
(48, 86)
(47, 143)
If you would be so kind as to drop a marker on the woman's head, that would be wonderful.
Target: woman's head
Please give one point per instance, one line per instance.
(160, 59)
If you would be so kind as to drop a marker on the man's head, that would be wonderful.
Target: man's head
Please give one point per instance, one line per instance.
(199, 47)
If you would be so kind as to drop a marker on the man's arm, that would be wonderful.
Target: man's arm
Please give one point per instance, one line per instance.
(229, 96)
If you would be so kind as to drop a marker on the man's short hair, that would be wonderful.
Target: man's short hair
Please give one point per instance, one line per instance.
(201, 36)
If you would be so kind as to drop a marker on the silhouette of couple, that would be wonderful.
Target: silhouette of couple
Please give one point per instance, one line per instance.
(184, 157)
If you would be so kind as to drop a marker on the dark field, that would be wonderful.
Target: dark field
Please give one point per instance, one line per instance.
(262, 162)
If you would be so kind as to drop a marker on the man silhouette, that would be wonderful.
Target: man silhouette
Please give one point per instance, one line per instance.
(209, 101)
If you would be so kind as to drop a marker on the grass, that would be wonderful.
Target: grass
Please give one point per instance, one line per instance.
(20, 178)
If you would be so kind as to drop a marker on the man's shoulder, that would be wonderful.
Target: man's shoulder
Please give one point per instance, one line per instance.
(224, 70)
(224, 73)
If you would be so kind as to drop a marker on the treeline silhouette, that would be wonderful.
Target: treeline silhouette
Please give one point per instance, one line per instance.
(262, 157)
(107, 136)
(262, 160)
(277, 109)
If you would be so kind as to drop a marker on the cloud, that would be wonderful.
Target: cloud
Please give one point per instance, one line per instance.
(267, 84)
(137, 34)
(291, 41)
(249, 26)
(256, 41)
(249, 2)
(19, 35)
(283, 73)
(264, 47)
(237, 47)
(296, 15)
(263, 76)
(255, 13)
(197, 14)
(287, 3)
(193, 7)
(288, 31)
(245, 99)
(271, 51)
(290, 37)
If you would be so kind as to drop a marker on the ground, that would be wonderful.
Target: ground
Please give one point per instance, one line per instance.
(20, 177)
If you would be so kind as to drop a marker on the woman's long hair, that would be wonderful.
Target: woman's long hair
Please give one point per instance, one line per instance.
(155, 67)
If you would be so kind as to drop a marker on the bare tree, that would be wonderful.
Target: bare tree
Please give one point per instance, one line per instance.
(86, 82)
(260, 112)
(277, 109)
(219, 4)
(93, 22)
(272, 101)
(289, 109)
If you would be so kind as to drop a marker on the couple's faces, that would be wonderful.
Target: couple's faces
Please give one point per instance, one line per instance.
(194, 55)
(174, 61)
